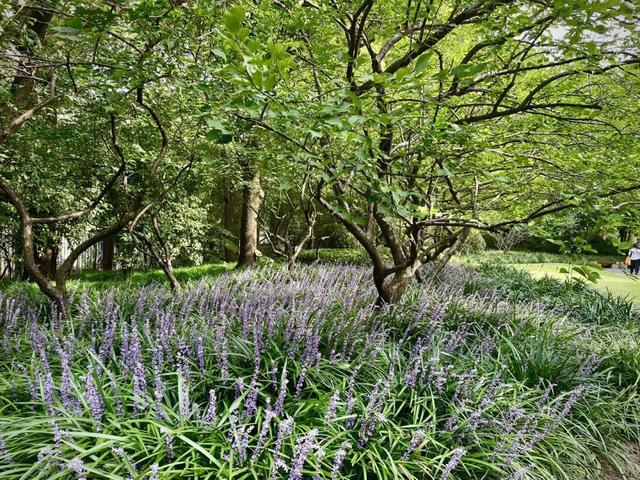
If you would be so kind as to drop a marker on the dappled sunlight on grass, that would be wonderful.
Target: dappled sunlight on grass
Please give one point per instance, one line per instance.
(617, 282)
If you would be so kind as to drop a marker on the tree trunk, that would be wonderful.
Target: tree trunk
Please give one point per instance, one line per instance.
(108, 250)
(61, 299)
(58, 294)
(167, 268)
(251, 201)
(391, 291)
(37, 21)
(47, 261)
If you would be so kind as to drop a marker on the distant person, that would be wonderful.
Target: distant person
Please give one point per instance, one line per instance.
(634, 256)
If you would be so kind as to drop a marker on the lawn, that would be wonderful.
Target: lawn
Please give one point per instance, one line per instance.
(616, 282)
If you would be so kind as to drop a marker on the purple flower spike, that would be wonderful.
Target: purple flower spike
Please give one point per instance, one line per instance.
(339, 460)
(304, 446)
(332, 407)
(154, 472)
(210, 414)
(416, 440)
(77, 466)
(284, 430)
(456, 456)
(94, 399)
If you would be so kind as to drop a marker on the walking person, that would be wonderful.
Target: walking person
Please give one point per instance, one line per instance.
(634, 256)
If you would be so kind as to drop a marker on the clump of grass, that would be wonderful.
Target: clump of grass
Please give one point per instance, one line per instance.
(292, 374)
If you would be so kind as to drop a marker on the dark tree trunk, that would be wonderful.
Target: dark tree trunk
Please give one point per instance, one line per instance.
(61, 299)
(167, 268)
(48, 261)
(108, 250)
(391, 291)
(251, 201)
(230, 218)
(23, 84)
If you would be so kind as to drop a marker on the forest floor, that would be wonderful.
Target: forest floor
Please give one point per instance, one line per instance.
(615, 281)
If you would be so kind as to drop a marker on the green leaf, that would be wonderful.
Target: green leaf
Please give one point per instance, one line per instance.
(422, 61)
(233, 19)
(335, 121)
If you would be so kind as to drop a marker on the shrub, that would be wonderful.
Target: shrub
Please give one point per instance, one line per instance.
(343, 256)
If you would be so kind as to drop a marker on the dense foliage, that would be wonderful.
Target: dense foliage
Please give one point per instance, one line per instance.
(413, 125)
(291, 374)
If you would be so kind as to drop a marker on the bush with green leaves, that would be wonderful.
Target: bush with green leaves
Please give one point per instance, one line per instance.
(344, 256)
(272, 373)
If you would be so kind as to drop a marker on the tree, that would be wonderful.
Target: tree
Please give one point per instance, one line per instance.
(290, 223)
(88, 77)
(427, 120)
(252, 196)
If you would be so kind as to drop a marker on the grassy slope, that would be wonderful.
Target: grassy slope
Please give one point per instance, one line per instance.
(141, 277)
(617, 283)
(99, 280)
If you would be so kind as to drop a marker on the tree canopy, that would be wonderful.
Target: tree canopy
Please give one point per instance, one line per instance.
(410, 123)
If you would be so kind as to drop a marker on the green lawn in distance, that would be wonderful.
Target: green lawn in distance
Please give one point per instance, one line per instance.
(615, 281)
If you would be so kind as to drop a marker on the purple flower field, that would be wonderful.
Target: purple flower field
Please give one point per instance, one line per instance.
(271, 373)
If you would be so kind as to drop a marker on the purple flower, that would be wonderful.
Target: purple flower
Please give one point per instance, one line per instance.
(124, 347)
(339, 460)
(300, 383)
(168, 441)
(589, 366)
(240, 386)
(279, 407)
(10, 320)
(46, 452)
(154, 472)
(200, 353)
(158, 386)
(463, 388)
(94, 399)
(456, 338)
(210, 413)
(373, 412)
(304, 445)
(139, 381)
(238, 436)
(415, 361)
(274, 375)
(184, 375)
(77, 466)
(66, 386)
(519, 474)
(546, 394)
(284, 429)
(223, 356)
(83, 309)
(110, 330)
(262, 438)
(332, 406)
(351, 399)
(416, 440)
(251, 401)
(456, 456)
